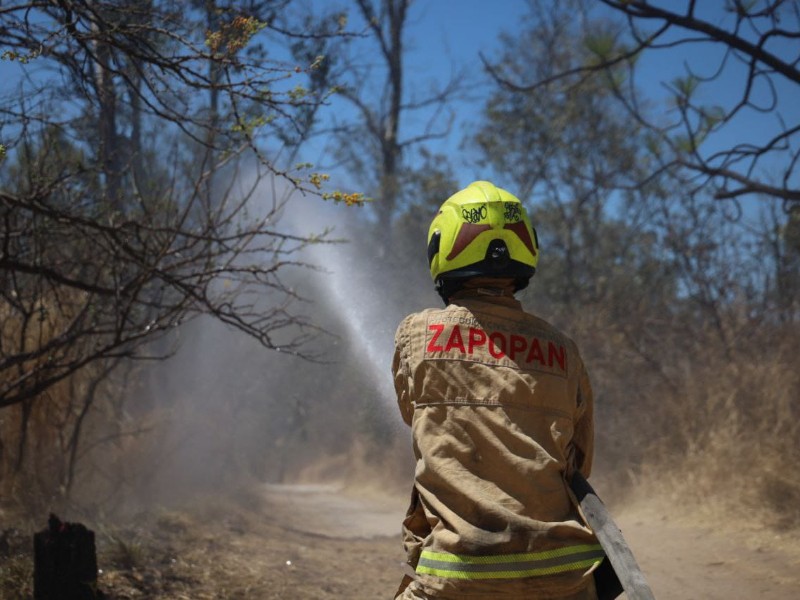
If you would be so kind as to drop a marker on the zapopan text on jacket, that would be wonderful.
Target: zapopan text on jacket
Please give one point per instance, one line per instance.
(493, 344)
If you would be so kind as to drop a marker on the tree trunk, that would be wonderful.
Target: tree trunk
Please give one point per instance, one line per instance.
(108, 152)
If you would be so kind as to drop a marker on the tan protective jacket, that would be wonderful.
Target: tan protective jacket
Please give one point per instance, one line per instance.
(500, 408)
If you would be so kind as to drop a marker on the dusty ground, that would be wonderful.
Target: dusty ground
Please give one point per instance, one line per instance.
(680, 559)
(326, 542)
(688, 559)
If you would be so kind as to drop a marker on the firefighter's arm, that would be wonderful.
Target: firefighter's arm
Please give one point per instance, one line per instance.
(583, 438)
(401, 377)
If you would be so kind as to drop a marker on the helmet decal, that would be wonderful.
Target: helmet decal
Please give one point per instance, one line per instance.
(474, 214)
(513, 212)
(466, 234)
(522, 231)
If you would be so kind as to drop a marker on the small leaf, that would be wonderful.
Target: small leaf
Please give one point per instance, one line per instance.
(685, 86)
(713, 115)
(601, 45)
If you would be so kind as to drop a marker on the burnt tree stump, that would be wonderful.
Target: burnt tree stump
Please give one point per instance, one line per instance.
(65, 562)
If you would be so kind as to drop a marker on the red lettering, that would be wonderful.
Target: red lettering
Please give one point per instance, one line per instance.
(497, 345)
(455, 341)
(518, 344)
(437, 330)
(477, 337)
(559, 353)
(535, 352)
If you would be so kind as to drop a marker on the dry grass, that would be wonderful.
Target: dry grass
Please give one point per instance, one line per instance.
(729, 447)
(217, 548)
(16, 566)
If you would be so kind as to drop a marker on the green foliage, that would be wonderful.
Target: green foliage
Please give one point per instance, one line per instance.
(707, 121)
(250, 125)
(713, 116)
(347, 198)
(685, 87)
(601, 44)
(22, 58)
(685, 144)
(233, 36)
(298, 93)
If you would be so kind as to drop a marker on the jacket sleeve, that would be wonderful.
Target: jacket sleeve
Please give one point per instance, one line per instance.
(583, 438)
(400, 372)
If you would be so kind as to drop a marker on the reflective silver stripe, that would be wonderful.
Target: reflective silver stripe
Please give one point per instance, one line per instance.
(509, 566)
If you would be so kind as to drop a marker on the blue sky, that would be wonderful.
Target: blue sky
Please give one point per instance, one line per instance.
(442, 35)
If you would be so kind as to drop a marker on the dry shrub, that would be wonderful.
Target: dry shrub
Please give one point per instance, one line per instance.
(700, 414)
(366, 466)
(36, 432)
(16, 564)
(37, 474)
(34, 462)
(731, 439)
(26, 433)
(16, 577)
(85, 412)
(781, 493)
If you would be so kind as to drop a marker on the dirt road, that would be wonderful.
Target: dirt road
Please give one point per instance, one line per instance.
(326, 542)
(680, 560)
(690, 560)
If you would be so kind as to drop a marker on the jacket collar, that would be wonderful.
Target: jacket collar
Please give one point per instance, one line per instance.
(485, 295)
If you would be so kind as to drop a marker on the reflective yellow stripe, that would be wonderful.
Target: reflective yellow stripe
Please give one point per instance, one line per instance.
(509, 566)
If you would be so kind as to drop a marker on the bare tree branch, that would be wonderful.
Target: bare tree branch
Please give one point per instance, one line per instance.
(749, 168)
(110, 242)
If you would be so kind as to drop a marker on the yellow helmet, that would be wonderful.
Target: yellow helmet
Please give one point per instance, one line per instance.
(481, 231)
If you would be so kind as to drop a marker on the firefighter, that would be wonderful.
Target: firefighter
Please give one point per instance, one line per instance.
(500, 409)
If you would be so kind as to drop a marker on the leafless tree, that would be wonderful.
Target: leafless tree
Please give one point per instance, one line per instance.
(754, 45)
(132, 198)
(376, 144)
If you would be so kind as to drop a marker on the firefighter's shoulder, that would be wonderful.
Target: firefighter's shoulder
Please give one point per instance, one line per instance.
(419, 317)
(413, 321)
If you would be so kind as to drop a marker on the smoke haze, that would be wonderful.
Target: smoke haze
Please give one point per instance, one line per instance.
(237, 408)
